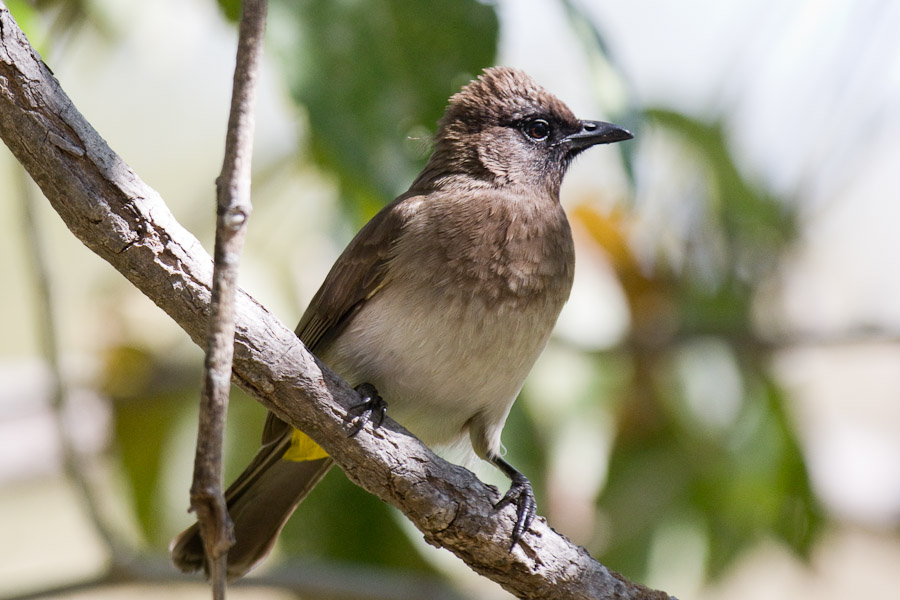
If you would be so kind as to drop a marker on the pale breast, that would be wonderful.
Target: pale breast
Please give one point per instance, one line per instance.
(450, 337)
(440, 363)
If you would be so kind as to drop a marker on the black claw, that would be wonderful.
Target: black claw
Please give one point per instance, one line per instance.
(521, 494)
(372, 408)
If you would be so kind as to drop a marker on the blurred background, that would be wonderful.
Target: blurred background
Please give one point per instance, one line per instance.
(717, 414)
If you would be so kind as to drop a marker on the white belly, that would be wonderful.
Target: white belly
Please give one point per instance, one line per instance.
(446, 366)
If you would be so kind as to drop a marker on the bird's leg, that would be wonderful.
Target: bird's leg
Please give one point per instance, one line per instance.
(520, 494)
(372, 408)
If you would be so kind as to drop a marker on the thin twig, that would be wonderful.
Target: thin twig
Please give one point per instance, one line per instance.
(233, 211)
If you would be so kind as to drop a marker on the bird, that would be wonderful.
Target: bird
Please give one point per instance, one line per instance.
(440, 305)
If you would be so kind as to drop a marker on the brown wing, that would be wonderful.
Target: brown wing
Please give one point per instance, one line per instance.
(357, 274)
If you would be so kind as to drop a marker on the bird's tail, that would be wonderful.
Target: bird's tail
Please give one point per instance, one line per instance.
(260, 501)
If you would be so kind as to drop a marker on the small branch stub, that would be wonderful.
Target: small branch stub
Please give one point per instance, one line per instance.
(235, 219)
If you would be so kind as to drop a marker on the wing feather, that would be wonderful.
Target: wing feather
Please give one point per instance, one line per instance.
(356, 276)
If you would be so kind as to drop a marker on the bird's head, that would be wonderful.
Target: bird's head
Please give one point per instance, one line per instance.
(504, 129)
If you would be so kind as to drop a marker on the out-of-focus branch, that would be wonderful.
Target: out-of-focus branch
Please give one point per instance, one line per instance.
(233, 211)
(125, 222)
(305, 578)
(47, 341)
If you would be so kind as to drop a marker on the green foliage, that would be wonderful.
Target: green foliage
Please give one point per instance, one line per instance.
(24, 13)
(231, 9)
(732, 486)
(722, 460)
(153, 396)
(48, 22)
(720, 463)
(149, 397)
(371, 74)
(753, 224)
(344, 523)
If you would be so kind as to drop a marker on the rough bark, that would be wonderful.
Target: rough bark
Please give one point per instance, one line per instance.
(106, 205)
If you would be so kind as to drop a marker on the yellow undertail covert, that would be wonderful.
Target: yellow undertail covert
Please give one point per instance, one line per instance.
(303, 448)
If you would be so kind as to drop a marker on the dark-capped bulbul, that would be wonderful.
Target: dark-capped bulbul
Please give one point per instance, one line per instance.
(441, 303)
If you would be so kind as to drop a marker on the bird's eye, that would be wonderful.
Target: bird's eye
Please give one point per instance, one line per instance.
(537, 129)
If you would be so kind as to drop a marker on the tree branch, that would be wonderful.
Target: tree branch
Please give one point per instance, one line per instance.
(233, 211)
(124, 221)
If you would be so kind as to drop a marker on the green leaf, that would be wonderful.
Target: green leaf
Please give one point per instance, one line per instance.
(24, 13)
(370, 75)
(342, 522)
(744, 483)
(149, 397)
(231, 9)
(753, 224)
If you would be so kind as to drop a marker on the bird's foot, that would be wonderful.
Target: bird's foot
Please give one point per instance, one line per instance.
(521, 495)
(372, 408)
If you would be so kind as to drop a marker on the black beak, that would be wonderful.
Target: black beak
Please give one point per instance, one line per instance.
(593, 133)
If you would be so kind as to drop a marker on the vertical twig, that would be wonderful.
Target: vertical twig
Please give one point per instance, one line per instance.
(233, 210)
